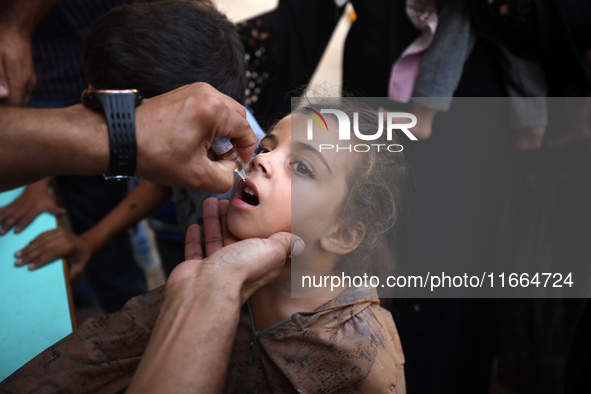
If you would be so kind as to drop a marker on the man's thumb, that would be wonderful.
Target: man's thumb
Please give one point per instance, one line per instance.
(221, 176)
(293, 244)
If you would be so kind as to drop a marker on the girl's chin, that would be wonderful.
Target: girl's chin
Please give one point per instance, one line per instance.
(247, 231)
(243, 230)
(246, 227)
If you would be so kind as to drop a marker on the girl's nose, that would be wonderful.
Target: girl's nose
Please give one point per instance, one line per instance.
(263, 163)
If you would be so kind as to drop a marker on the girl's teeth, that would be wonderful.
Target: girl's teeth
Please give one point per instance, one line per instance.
(249, 190)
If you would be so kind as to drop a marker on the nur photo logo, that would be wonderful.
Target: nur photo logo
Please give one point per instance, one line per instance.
(402, 121)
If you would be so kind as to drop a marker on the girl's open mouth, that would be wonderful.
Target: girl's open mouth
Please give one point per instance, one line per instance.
(247, 193)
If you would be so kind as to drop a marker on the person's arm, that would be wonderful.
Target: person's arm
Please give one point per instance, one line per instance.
(141, 202)
(174, 134)
(41, 142)
(18, 20)
(190, 346)
(78, 250)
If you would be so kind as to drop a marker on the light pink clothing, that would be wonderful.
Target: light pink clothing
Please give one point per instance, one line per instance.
(405, 70)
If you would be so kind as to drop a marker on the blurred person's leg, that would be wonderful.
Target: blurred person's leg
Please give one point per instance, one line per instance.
(525, 81)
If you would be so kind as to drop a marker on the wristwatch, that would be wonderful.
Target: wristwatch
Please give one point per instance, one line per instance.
(119, 108)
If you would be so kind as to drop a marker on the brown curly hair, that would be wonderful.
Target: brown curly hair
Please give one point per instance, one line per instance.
(374, 183)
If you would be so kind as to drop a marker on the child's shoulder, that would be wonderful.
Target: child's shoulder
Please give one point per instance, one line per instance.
(351, 341)
(358, 317)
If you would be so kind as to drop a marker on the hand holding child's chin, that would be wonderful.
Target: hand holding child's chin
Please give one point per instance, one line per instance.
(231, 264)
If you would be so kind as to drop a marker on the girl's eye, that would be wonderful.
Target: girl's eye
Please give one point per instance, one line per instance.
(302, 169)
(262, 149)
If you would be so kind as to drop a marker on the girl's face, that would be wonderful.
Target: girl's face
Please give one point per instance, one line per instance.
(291, 186)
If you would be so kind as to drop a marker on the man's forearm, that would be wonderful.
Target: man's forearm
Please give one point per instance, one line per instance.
(173, 135)
(189, 350)
(37, 143)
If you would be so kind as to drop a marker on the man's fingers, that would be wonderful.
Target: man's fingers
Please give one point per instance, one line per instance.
(198, 114)
(4, 92)
(193, 247)
(228, 237)
(29, 89)
(229, 120)
(17, 84)
(224, 206)
(212, 227)
(211, 175)
(294, 245)
(231, 103)
(238, 128)
(219, 175)
(269, 254)
(20, 73)
(203, 88)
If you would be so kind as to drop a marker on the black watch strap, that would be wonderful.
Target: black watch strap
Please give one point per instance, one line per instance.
(119, 109)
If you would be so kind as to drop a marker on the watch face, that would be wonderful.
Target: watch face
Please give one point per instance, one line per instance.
(89, 99)
(89, 96)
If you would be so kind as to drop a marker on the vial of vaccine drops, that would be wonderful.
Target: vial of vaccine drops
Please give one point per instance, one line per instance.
(224, 148)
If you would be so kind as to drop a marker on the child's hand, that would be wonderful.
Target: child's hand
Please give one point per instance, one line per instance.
(22, 211)
(55, 244)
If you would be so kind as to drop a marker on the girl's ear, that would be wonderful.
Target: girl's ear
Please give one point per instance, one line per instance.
(344, 239)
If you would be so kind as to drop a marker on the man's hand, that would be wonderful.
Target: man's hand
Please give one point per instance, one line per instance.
(174, 135)
(216, 232)
(190, 346)
(32, 202)
(268, 255)
(18, 20)
(17, 74)
(55, 244)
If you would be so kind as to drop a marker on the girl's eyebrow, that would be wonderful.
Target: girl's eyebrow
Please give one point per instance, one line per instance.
(271, 137)
(306, 147)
